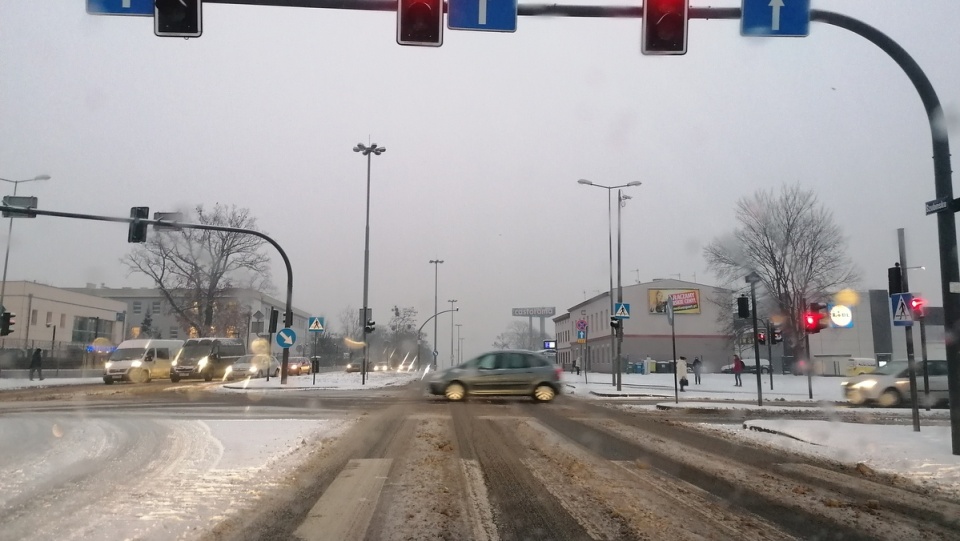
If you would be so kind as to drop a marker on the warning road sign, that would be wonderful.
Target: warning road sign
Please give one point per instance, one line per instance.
(315, 324)
(621, 311)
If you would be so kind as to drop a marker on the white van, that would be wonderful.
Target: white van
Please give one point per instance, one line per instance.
(140, 361)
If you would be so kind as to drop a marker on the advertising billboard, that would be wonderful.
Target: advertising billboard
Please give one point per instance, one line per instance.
(541, 311)
(685, 301)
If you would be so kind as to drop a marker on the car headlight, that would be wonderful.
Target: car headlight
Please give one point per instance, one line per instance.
(866, 384)
(228, 370)
(108, 365)
(844, 383)
(202, 363)
(174, 363)
(136, 364)
(252, 369)
(349, 365)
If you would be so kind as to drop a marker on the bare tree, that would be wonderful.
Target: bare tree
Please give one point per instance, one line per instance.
(196, 269)
(517, 336)
(792, 242)
(349, 319)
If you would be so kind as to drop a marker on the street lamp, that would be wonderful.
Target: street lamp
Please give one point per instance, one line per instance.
(452, 315)
(459, 345)
(368, 152)
(613, 332)
(436, 282)
(6, 258)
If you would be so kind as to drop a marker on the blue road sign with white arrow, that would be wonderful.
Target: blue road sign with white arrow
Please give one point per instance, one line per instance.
(141, 8)
(775, 18)
(286, 337)
(482, 15)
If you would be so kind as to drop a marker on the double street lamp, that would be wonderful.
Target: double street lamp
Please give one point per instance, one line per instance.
(6, 258)
(614, 333)
(436, 283)
(367, 151)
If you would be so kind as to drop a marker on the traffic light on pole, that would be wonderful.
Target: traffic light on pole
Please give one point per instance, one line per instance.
(664, 28)
(370, 326)
(743, 307)
(815, 319)
(178, 18)
(420, 22)
(274, 316)
(894, 279)
(138, 229)
(916, 306)
(614, 322)
(777, 337)
(761, 338)
(6, 323)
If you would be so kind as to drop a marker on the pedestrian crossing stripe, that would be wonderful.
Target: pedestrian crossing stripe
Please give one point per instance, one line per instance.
(316, 325)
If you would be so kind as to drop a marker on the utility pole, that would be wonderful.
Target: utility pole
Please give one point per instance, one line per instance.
(908, 330)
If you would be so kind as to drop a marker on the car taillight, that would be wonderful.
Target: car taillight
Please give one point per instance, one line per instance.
(558, 371)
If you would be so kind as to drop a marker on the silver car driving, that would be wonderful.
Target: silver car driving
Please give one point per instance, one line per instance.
(499, 373)
(889, 385)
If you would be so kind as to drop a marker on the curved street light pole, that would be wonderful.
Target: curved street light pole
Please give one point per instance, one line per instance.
(615, 367)
(6, 258)
(452, 358)
(368, 152)
(424, 324)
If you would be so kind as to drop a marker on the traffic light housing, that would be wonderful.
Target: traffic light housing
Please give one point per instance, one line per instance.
(743, 307)
(274, 316)
(815, 320)
(894, 279)
(761, 338)
(6, 323)
(916, 306)
(138, 229)
(370, 326)
(614, 322)
(178, 18)
(420, 22)
(776, 337)
(664, 29)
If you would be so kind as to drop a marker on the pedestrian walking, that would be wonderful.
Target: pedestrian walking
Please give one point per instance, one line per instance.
(697, 368)
(682, 373)
(737, 370)
(576, 367)
(35, 364)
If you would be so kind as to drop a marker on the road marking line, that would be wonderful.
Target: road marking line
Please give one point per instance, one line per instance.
(344, 511)
(477, 504)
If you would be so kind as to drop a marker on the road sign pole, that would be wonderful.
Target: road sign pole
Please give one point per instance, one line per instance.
(911, 363)
(923, 357)
(753, 278)
(770, 350)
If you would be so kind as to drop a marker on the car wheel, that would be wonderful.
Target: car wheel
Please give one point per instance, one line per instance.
(208, 376)
(455, 392)
(890, 398)
(136, 376)
(856, 398)
(146, 376)
(108, 381)
(174, 378)
(259, 373)
(544, 393)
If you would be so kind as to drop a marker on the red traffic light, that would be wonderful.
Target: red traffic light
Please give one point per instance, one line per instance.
(813, 322)
(761, 338)
(664, 29)
(916, 305)
(420, 22)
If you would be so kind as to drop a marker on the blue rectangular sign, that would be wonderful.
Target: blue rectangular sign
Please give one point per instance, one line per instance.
(482, 15)
(900, 305)
(775, 18)
(141, 8)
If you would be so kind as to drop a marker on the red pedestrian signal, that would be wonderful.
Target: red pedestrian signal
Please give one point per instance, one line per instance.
(664, 29)
(420, 22)
(813, 322)
(761, 338)
(916, 306)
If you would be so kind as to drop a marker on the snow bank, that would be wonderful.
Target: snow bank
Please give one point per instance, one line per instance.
(325, 380)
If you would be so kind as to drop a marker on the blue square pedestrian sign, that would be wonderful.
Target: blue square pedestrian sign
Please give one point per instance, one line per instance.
(775, 18)
(315, 324)
(621, 311)
(902, 314)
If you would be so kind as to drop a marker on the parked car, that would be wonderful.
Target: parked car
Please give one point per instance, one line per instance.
(889, 385)
(254, 366)
(504, 372)
(297, 366)
(749, 367)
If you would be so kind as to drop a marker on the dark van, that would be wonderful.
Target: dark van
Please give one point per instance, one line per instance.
(206, 358)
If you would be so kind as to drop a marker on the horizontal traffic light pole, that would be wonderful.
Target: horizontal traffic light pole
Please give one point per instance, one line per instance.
(527, 10)
(288, 316)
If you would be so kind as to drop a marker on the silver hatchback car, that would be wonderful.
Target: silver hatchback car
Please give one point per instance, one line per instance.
(500, 373)
(889, 385)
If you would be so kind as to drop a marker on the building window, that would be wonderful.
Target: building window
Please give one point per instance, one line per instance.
(33, 317)
(63, 320)
(156, 307)
(86, 329)
(174, 333)
(136, 307)
(49, 318)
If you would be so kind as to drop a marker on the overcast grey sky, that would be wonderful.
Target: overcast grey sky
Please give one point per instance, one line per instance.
(486, 139)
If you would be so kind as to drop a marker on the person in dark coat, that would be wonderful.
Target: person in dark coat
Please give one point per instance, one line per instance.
(737, 370)
(35, 364)
(697, 368)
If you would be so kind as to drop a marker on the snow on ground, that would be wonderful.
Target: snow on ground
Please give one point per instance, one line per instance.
(714, 386)
(11, 383)
(72, 478)
(925, 456)
(325, 380)
(828, 407)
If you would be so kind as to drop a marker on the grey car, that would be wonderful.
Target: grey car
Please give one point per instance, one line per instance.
(889, 385)
(500, 373)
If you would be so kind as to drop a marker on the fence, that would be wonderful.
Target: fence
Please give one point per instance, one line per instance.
(16, 353)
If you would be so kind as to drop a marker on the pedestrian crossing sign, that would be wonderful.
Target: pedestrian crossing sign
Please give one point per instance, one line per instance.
(902, 314)
(315, 324)
(621, 311)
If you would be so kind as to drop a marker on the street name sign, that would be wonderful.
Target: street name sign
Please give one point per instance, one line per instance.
(482, 15)
(286, 338)
(139, 8)
(315, 324)
(902, 314)
(790, 18)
